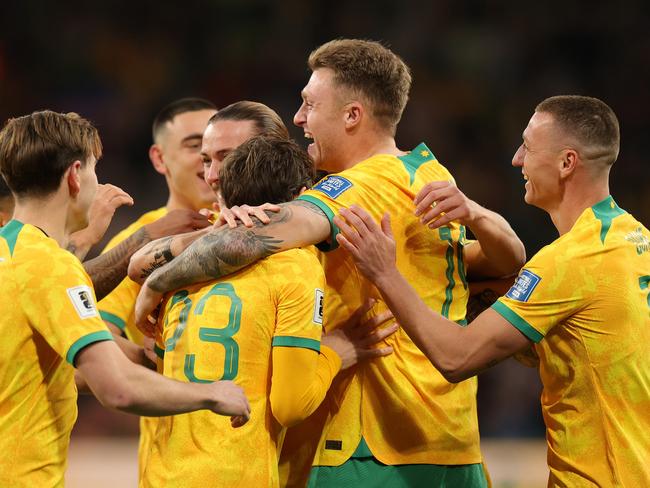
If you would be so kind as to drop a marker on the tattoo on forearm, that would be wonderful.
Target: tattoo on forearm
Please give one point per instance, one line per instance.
(309, 206)
(161, 254)
(108, 269)
(224, 251)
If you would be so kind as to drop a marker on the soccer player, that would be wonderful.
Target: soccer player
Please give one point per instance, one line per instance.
(260, 327)
(175, 153)
(227, 129)
(48, 317)
(395, 417)
(583, 300)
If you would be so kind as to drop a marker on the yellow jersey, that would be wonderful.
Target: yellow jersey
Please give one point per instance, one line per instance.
(48, 314)
(584, 300)
(118, 306)
(227, 330)
(402, 406)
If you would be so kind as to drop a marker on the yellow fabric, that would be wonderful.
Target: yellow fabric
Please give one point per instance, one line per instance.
(226, 330)
(406, 411)
(118, 308)
(47, 315)
(584, 299)
(294, 396)
(119, 305)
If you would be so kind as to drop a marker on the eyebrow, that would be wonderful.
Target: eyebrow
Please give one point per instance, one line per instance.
(190, 137)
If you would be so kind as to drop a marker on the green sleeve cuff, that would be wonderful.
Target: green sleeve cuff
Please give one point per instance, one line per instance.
(79, 344)
(520, 324)
(333, 244)
(160, 352)
(290, 341)
(113, 319)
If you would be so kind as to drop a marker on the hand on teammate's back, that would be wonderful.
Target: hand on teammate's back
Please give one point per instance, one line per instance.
(440, 202)
(372, 247)
(231, 215)
(177, 221)
(355, 340)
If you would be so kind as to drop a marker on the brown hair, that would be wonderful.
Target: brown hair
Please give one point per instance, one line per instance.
(36, 149)
(370, 69)
(590, 121)
(265, 169)
(267, 121)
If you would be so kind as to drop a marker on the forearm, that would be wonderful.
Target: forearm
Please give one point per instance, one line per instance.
(224, 251)
(119, 384)
(294, 397)
(108, 269)
(501, 252)
(159, 253)
(442, 341)
(80, 243)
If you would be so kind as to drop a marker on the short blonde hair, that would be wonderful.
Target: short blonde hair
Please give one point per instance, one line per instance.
(370, 69)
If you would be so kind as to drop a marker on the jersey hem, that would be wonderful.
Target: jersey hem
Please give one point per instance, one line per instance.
(113, 319)
(520, 324)
(324, 246)
(79, 344)
(290, 341)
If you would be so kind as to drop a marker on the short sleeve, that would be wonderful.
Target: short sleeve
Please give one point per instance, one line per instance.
(333, 193)
(299, 284)
(546, 292)
(117, 307)
(60, 305)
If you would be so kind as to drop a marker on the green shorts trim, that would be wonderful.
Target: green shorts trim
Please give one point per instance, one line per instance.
(370, 473)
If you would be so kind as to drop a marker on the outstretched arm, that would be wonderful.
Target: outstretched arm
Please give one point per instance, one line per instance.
(118, 383)
(457, 352)
(224, 250)
(498, 252)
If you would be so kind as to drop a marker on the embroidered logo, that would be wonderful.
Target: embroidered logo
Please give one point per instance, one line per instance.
(82, 299)
(318, 306)
(641, 241)
(524, 286)
(333, 186)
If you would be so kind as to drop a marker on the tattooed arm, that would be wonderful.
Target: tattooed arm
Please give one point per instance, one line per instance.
(160, 252)
(108, 269)
(224, 251)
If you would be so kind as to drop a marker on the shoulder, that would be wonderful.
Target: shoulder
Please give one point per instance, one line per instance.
(143, 220)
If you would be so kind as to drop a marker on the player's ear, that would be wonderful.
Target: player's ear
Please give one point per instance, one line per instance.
(156, 157)
(302, 190)
(568, 162)
(354, 112)
(73, 179)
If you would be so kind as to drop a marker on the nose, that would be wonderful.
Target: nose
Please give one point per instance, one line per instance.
(299, 119)
(518, 158)
(212, 173)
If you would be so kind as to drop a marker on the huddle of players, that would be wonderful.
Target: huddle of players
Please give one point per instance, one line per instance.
(394, 421)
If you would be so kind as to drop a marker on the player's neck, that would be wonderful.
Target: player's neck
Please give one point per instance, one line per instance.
(48, 214)
(575, 201)
(365, 147)
(177, 202)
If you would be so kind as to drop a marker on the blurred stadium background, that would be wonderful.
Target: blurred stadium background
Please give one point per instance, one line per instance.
(479, 68)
